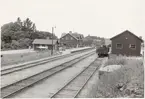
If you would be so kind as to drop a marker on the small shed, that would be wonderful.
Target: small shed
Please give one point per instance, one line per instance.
(45, 44)
(126, 43)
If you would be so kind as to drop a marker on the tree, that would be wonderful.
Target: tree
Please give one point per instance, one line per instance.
(8, 31)
(7, 36)
(15, 44)
(34, 28)
(7, 46)
(27, 25)
(20, 34)
(2, 44)
(24, 42)
(102, 41)
(19, 23)
(6, 27)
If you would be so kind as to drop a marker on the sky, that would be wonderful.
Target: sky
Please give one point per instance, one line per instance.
(104, 18)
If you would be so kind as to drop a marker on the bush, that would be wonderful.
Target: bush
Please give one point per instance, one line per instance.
(128, 81)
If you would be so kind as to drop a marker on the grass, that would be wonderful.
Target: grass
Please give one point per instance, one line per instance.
(128, 81)
(116, 61)
(11, 59)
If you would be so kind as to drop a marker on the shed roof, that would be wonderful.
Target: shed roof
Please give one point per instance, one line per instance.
(44, 41)
(127, 32)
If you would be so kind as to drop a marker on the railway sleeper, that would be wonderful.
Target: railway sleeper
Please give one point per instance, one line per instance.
(82, 96)
(81, 81)
(72, 87)
(86, 74)
(70, 63)
(69, 89)
(63, 96)
(78, 84)
(81, 78)
(30, 81)
(9, 90)
(94, 66)
(67, 92)
(90, 70)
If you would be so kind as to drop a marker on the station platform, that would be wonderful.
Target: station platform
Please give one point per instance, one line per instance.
(67, 51)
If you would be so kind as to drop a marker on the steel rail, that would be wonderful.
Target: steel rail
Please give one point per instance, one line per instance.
(74, 78)
(30, 65)
(85, 83)
(18, 86)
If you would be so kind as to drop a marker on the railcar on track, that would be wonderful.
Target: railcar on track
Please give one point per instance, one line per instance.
(103, 51)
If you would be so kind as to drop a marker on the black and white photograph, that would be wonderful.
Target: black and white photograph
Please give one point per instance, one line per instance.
(72, 48)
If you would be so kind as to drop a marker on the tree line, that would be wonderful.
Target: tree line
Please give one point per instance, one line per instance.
(20, 34)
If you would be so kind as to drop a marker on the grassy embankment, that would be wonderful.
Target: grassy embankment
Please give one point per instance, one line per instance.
(11, 59)
(128, 81)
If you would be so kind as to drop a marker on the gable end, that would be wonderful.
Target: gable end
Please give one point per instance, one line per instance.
(125, 32)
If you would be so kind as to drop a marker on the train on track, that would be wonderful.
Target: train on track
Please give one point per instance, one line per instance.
(103, 51)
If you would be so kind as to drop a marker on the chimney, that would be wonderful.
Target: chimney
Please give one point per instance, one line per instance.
(70, 32)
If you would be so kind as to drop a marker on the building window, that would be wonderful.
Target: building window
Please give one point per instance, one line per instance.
(132, 46)
(119, 46)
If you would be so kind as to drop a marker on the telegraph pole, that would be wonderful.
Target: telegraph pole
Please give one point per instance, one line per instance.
(52, 41)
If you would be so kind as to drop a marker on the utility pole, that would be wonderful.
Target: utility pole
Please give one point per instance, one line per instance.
(52, 41)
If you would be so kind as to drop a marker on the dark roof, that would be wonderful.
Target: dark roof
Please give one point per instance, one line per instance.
(44, 41)
(75, 35)
(127, 32)
(78, 36)
(91, 37)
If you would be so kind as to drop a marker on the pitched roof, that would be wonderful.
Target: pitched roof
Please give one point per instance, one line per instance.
(44, 41)
(91, 37)
(78, 36)
(75, 35)
(69, 34)
(127, 32)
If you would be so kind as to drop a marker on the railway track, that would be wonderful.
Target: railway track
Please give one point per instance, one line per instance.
(33, 64)
(75, 85)
(13, 89)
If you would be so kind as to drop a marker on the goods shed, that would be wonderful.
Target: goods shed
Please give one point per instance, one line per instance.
(126, 43)
(46, 44)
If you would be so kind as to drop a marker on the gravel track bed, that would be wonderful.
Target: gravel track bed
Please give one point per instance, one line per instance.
(52, 84)
(19, 75)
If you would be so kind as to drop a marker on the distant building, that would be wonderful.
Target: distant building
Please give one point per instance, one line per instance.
(45, 44)
(126, 43)
(92, 41)
(63, 34)
(71, 40)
